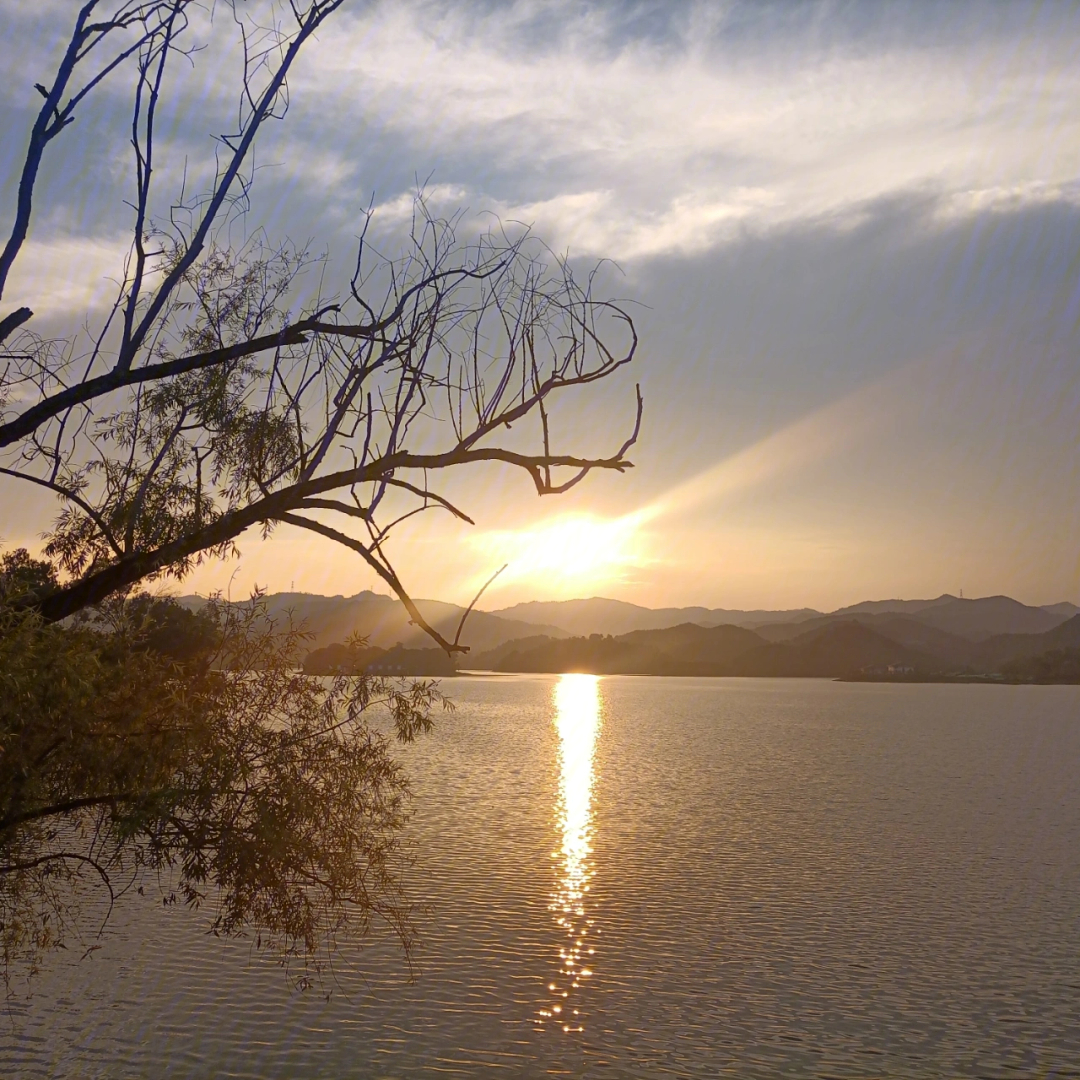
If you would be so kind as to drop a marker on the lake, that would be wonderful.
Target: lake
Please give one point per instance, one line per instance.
(658, 877)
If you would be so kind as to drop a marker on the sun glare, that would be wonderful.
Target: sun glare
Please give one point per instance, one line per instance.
(568, 551)
(583, 551)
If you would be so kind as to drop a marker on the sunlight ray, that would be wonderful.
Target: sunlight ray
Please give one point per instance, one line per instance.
(577, 721)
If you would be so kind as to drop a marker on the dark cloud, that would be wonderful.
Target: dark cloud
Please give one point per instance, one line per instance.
(745, 339)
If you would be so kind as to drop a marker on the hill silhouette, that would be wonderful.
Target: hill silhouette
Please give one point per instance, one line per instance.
(866, 646)
(985, 617)
(598, 615)
(894, 607)
(1005, 647)
(835, 650)
(384, 622)
(946, 636)
(971, 619)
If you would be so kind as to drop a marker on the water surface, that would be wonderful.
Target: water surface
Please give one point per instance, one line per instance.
(635, 876)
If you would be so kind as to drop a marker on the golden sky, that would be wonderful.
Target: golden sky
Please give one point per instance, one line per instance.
(853, 233)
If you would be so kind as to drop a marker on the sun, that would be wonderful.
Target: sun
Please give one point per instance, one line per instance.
(568, 551)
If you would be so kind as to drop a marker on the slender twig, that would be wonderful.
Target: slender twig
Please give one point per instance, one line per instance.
(475, 599)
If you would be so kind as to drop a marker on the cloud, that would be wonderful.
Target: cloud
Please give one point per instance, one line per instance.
(678, 142)
(67, 276)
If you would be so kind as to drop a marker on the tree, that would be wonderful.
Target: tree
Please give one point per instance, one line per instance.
(203, 405)
(209, 400)
(138, 748)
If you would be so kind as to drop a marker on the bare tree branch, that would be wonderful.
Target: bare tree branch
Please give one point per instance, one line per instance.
(383, 570)
(210, 399)
(475, 600)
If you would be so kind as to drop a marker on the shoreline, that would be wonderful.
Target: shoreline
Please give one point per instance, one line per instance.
(983, 680)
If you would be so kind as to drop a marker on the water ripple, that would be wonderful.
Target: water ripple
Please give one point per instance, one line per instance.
(777, 877)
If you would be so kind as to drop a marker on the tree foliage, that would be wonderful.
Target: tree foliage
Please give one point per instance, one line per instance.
(137, 747)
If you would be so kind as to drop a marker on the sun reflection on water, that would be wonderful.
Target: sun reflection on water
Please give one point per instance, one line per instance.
(577, 721)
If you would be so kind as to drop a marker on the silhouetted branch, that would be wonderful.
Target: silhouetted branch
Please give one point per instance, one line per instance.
(475, 600)
(204, 406)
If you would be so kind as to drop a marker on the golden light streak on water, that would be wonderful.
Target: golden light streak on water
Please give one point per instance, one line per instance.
(577, 721)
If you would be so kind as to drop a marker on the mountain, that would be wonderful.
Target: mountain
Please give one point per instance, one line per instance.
(385, 622)
(907, 630)
(970, 619)
(901, 607)
(601, 616)
(947, 627)
(838, 649)
(1004, 647)
(986, 617)
(688, 649)
(841, 648)
(946, 634)
(492, 659)
(696, 644)
(1065, 610)
(914, 634)
(974, 619)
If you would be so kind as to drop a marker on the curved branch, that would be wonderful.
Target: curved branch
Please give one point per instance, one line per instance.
(75, 856)
(446, 504)
(468, 610)
(71, 496)
(81, 393)
(558, 489)
(56, 809)
(384, 571)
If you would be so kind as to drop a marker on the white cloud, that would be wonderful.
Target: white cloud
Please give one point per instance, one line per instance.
(1002, 198)
(67, 276)
(658, 148)
(595, 222)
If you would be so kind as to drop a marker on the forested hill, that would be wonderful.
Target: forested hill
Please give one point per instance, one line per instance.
(604, 616)
(894, 646)
(383, 621)
(698, 650)
(944, 636)
(972, 619)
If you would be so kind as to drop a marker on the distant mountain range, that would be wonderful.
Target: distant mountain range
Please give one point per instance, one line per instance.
(945, 637)
(385, 623)
(600, 616)
(948, 634)
(981, 618)
(894, 646)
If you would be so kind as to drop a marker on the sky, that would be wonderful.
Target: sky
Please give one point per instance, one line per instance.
(850, 233)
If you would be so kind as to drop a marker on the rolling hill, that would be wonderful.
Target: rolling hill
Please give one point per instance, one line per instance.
(947, 635)
(1004, 647)
(600, 616)
(980, 619)
(970, 619)
(838, 649)
(866, 646)
(385, 622)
